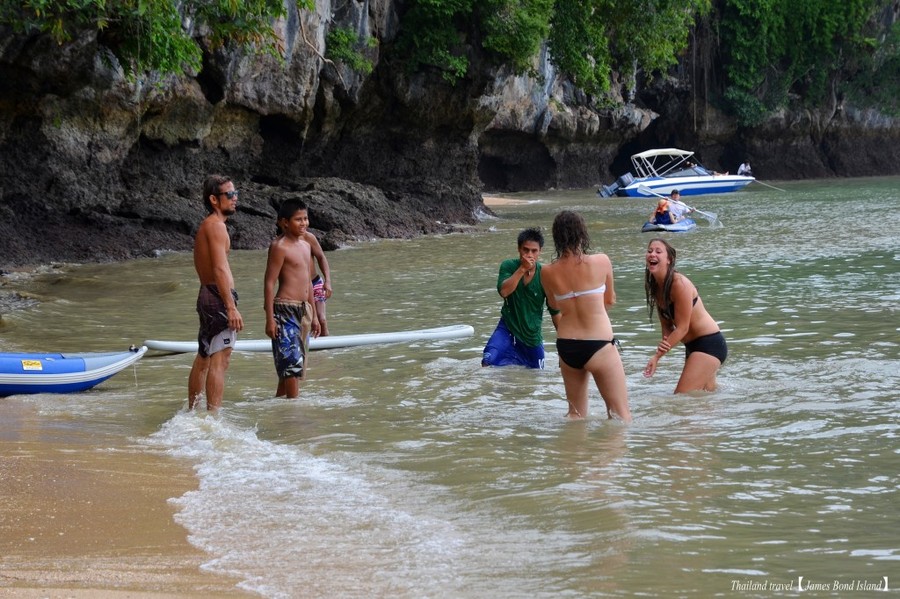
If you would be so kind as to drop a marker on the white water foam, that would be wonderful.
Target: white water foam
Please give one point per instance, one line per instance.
(283, 519)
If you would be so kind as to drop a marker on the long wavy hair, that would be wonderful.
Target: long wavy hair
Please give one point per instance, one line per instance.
(651, 288)
(570, 234)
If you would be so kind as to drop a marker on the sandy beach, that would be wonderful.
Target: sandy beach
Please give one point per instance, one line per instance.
(490, 200)
(81, 520)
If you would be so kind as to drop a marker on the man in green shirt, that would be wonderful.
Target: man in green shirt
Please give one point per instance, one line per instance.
(517, 340)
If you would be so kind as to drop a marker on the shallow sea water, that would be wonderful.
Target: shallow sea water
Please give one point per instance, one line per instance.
(407, 470)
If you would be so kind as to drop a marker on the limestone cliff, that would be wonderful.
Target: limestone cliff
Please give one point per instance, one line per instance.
(96, 167)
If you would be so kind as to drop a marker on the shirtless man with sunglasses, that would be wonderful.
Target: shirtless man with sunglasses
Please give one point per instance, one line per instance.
(220, 320)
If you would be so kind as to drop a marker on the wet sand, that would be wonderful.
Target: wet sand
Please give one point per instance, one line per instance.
(90, 520)
(490, 200)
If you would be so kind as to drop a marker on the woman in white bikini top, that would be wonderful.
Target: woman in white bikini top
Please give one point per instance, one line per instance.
(597, 290)
(580, 286)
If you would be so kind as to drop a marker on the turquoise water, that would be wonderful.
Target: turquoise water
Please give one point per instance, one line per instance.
(409, 471)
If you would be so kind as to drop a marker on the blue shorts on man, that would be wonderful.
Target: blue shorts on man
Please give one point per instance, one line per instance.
(503, 349)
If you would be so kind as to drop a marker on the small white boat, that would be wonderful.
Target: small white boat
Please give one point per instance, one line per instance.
(664, 170)
(455, 331)
(61, 372)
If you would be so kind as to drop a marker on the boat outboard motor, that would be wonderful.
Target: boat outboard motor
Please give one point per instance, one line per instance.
(625, 180)
(608, 191)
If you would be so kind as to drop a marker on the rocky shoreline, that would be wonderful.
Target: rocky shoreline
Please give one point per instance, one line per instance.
(13, 300)
(341, 212)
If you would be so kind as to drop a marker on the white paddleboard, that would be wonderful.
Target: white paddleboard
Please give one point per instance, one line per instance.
(330, 342)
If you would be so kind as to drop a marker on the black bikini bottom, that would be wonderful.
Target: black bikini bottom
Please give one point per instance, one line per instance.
(578, 352)
(712, 344)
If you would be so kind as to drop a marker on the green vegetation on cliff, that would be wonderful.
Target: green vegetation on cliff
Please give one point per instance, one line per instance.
(771, 54)
(151, 35)
(588, 39)
(343, 45)
(805, 51)
(877, 75)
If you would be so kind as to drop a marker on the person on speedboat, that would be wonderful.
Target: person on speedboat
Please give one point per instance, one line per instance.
(702, 170)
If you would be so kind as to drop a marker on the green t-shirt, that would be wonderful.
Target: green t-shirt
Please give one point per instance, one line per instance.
(523, 309)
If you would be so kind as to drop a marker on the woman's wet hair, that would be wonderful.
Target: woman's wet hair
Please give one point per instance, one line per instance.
(650, 285)
(570, 234)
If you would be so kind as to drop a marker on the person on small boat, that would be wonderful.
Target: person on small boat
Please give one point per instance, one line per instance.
(745, 169)
(517, 340)
(677, 208)
(580, 285)
(220, 320)
(662, 215)
(683, 318)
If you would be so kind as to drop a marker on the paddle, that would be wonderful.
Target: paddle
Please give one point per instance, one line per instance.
(710, 216)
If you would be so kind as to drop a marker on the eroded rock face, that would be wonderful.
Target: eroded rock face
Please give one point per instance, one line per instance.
(96, 167)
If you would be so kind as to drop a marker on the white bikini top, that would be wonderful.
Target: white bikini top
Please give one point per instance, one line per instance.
(573, 294)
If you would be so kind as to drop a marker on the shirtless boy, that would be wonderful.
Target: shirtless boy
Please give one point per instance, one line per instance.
(290, 315)
(220, 320)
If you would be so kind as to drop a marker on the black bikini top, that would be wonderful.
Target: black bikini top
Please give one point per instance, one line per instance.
(669, 311)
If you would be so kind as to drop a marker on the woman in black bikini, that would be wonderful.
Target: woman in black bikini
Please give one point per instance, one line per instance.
(581, 287)
(683, 318)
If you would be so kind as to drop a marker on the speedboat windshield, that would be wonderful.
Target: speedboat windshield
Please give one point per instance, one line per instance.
(694, 171)
(660, 163)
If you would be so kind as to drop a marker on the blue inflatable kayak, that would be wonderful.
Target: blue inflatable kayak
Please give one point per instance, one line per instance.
(61, 372)
(685, 224)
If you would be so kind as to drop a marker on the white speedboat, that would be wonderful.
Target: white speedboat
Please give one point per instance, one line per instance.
(658, 172)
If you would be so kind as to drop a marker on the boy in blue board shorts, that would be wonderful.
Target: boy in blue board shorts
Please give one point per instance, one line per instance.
(518, 340)
(288, 297)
